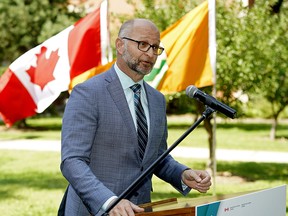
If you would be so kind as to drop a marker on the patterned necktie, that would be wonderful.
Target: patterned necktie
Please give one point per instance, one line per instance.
(142, 129)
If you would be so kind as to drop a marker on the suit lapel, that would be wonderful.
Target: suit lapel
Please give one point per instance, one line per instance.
(115, 89)
(153, 115)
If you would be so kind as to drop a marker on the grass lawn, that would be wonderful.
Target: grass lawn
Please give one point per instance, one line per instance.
(32, 185)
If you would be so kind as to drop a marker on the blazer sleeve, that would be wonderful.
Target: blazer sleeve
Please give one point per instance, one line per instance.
(78, 129)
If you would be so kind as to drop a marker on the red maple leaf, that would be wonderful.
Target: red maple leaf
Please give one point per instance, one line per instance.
(43, 72)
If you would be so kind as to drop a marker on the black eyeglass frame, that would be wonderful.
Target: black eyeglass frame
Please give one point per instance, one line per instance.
(157, 50)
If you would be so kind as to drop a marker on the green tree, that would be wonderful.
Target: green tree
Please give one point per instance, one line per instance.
(164, 13)
(252, 54)
(26, 23)
(274, 56)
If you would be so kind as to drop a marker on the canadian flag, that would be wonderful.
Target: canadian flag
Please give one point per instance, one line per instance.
(34, 80)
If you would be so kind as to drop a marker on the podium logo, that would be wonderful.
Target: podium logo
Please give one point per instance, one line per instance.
(226, 209)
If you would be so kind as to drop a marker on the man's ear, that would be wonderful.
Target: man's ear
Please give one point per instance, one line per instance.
(119, 45)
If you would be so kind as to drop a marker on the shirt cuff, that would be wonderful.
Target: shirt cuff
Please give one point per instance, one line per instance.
(105, 205)
(184, 186)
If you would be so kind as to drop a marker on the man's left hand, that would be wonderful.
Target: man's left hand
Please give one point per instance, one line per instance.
(199, 180)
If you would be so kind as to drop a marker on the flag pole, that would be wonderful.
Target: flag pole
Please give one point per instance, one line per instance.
(105, 34)
(212, 53)
(110, 53)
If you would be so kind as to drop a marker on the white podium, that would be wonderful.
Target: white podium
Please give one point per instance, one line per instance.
(268, 202)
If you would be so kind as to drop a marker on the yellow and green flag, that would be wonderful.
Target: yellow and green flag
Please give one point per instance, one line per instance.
(186, 60)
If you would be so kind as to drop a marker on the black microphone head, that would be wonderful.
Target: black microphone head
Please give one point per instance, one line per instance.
(191, 90)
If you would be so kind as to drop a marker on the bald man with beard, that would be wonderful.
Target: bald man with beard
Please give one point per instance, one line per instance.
(100, 154)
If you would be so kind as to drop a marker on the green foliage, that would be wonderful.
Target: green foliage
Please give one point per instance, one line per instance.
(252, 53)
(25, 23)
(179, 103)
(272, 61)
(2, 70)
(164, 13)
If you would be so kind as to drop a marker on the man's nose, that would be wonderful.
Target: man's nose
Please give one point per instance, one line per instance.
(150, 52)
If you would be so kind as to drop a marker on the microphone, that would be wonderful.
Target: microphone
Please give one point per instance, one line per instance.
(193, 92)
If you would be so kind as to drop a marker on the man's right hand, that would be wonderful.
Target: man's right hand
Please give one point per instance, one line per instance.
(125, 208)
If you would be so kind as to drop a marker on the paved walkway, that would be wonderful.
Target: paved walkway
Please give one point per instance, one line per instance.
(185, 152)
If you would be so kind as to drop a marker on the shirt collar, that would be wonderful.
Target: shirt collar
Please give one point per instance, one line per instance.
(125, 80)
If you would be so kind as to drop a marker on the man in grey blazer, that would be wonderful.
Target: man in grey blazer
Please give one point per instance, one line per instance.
(100, 153)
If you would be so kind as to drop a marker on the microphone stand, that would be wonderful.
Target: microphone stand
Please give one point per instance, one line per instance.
(208, 111)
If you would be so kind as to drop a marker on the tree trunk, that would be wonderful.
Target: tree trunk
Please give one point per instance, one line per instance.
(273, 129)
(275, 120)
(209, 128)
(275, 123)
(276, 7)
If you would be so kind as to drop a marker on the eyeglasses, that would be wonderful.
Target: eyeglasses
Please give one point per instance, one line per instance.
(144, 46)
